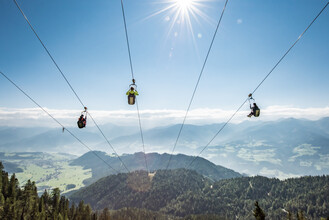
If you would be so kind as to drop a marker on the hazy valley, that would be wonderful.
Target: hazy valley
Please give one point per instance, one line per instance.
(283, 148)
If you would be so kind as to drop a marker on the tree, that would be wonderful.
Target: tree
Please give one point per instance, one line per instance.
(72, 212)
(55, 202)
(300, 215)
(5, 184)
(1, 171)
(105, 214)
(35, 210)
(17, 203)
(87, 213)
(258, 212)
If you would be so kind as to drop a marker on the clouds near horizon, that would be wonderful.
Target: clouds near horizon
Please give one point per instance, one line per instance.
(30, 117)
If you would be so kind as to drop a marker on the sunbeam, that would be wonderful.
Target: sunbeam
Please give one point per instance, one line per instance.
(181, 12)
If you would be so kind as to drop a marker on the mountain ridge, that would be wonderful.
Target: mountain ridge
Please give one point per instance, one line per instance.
(184, 192)
(282, 148)
(156, 162)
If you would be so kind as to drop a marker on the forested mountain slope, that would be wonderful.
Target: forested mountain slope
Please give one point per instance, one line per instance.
(155, 162)
(184, 192)
(23, 202)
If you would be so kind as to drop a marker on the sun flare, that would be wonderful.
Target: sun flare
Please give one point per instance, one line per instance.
(181, 17)
(184, 4)
(182, 11)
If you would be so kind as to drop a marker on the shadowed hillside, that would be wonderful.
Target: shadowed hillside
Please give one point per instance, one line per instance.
(184, 192)
(155, 162)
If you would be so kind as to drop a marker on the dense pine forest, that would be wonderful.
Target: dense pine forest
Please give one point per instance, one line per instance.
(183, 193)
(24, 203)
(172, 194)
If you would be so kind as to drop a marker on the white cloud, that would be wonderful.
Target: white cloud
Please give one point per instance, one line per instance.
(215, 150)
(229, 149)
(257, 156)
(309, 113)
(167, 18)
(276, 173)
(305, 163)
(210, 156)
(323, 163)
(239, 21)
(29, 117)
(223, 155)
(303, 150)
(258, 143)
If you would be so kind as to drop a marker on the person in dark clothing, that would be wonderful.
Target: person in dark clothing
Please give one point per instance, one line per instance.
(255, 111)
(82, 121)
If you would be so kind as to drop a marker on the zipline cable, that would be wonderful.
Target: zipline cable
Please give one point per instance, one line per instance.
(290, 48)
(51, 57)
(133, 79)
(127, 39)
(108, 142)
(300, 36)
(197, 84)
(44, 110)
(63, 75)
(142, 136)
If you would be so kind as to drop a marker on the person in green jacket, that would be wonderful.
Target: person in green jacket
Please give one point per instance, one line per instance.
(131, 95)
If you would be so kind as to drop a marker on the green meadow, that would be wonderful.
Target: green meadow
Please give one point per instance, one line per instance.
(48, 170)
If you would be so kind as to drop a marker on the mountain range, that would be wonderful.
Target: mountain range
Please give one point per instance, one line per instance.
(283, 148)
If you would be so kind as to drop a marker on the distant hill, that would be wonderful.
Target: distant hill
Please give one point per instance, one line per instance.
(184, 192)
(284, 148)
(155, 162)
(52, 140)
(138, 190)
(14, 134)
(12, 167)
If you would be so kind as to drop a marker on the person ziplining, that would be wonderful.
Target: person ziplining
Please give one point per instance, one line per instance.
(131, 93)
(82, 121)
(255, 111)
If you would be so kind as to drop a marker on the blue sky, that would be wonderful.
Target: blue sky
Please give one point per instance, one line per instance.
(87, 40)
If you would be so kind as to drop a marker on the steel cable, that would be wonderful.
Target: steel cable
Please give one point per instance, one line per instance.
(133, 79)
(300, 36)
(65, 78)
(44, 110)
(197, 84)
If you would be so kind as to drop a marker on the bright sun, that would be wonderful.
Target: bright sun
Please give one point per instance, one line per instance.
(184, 4)
(180, 13)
